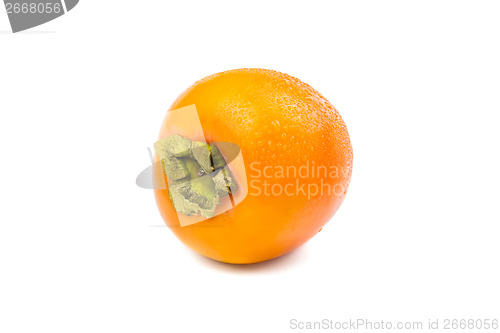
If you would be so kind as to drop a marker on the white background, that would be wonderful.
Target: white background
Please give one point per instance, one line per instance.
(82, 249)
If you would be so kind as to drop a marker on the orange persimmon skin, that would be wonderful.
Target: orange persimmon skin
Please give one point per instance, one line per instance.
(278, 122)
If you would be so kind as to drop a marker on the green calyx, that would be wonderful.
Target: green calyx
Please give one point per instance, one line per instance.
(198, 174)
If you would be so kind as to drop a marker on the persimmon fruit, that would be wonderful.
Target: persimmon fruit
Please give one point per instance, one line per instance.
(297, 163)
